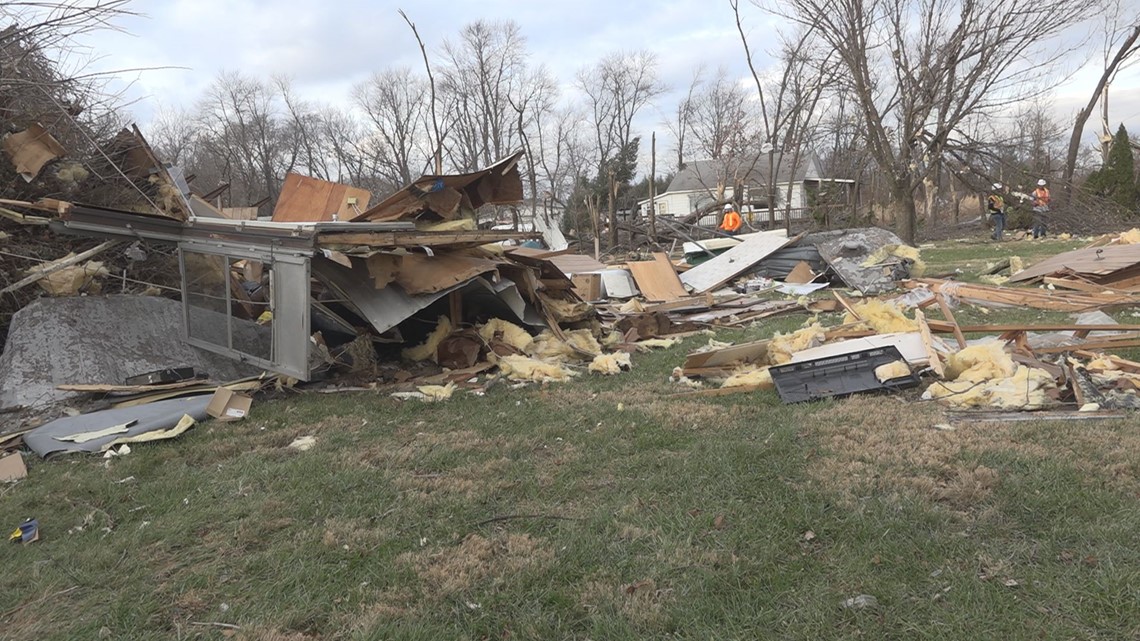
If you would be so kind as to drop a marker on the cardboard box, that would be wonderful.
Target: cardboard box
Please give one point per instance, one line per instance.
(228, 405)
(587, 286)
(12, 468)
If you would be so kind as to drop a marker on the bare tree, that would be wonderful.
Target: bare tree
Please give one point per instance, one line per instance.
(919, 68)
(246, 140)
(485, 71)
(394, 102)
(617, 88)
(1121, 43)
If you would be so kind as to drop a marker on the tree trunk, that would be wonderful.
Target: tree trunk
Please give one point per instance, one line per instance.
(613, 241)
(902, 206)
(1126, 49)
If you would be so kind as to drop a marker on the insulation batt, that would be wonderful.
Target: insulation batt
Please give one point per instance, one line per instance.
(511, 334)
(891, 371)
(436, 392)
(782, 347)
(427, 350)
(610, 364)
(1025, 390)
(747, 378)
(882, 316)
(662, 343)
(977, 363)
(547, 346)
(632, 306)
(882, 254)
(521, 368)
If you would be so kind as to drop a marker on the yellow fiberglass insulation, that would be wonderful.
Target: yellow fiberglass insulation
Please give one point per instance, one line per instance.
(427, 350)
(511, 334)
(1016, 264)
(782, 346)
(884, 253)
(1130, 237)
(651, 343)
(522, 368)
(993, 279)
(613, 338)
(891, 371)
(548, 347)
(983, 362)
(632, 306)
(609, 364)
(882, 316)
(749, 377)
(1025, 390)
(433, 393)
(583, 341)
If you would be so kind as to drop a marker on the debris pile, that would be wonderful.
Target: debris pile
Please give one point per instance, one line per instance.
(887, 343)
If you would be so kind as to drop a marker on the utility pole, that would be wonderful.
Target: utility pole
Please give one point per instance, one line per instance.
(653, 187)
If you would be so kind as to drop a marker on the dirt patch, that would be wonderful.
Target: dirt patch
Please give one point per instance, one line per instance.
(642, 602)
(353, 534)
(892, 445)
(476, 560)
(408, 446)
(269, 634)
(470, 481)
(385, 607)
(695, 415)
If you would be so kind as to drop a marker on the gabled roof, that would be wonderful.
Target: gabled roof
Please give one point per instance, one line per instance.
(704, 175)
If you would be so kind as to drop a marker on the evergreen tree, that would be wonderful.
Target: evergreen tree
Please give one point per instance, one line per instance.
(1116, 180)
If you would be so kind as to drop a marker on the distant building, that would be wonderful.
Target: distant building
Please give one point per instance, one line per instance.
(704, 184)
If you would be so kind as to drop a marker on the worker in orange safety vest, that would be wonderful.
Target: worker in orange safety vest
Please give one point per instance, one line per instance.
(1041, 200)
(731, 222)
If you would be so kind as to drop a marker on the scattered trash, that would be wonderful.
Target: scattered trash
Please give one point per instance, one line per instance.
(303, 443)
(12, 468)
(27, 532)
(861, 602)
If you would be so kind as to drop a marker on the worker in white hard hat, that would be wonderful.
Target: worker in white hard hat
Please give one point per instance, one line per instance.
(995, 205)
(731, 222)
(1041, 200)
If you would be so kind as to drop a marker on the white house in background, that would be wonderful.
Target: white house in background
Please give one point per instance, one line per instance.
(697, 186)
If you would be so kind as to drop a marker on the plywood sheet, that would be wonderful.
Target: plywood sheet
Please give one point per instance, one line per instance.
(305, 199)
(800, 274)
(1090, 261)
(571, 264)
(657, 279)
(732, 263)
(422, 274)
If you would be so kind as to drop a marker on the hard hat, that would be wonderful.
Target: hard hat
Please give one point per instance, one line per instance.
(997, 185)
(1041, 182)
(728, 207)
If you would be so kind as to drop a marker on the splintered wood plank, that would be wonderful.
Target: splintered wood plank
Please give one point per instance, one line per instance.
(945, 307)
(928, 344)
(712, 274)
(657, 279)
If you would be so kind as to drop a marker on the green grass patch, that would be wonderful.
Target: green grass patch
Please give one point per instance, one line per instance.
(604, 508)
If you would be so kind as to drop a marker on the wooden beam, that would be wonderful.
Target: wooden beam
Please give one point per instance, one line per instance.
(50, 268)
(1132, 340)
(928, 344)
(949, 315)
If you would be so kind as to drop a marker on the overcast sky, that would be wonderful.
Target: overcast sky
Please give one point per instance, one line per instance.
(327, 46)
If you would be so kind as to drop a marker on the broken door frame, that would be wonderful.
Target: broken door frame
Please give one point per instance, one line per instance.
(288, 305)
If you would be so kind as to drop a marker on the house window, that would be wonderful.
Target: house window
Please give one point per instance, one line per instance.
(663, 207)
